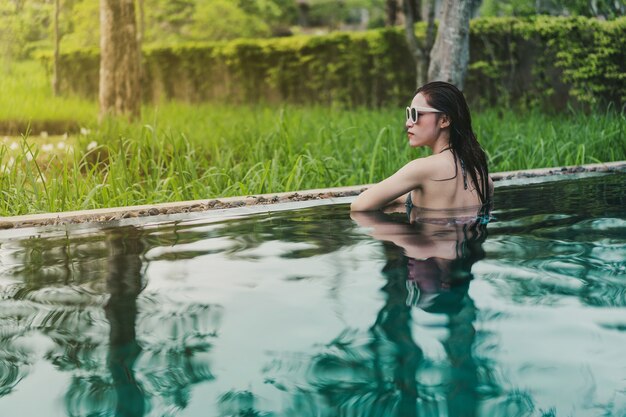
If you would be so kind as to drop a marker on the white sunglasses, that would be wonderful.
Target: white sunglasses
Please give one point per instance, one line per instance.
(412, 113)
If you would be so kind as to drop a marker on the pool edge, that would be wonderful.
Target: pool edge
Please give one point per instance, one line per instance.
(118, 213)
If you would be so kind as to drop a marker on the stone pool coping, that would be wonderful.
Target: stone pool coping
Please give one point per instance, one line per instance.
(118, 213)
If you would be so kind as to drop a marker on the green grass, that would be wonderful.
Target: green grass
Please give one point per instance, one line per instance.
(26, 95)
(185, 152)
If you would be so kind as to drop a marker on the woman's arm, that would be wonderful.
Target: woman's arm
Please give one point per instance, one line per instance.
(407, 178)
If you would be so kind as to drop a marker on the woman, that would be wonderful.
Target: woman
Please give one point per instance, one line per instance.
(454, 176)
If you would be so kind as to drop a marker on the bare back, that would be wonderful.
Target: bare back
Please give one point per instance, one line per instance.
(434, 182)
(448, 186)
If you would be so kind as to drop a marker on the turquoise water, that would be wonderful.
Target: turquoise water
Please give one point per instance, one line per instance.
(310, 312)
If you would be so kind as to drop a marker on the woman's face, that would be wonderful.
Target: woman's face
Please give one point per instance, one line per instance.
(426, 130)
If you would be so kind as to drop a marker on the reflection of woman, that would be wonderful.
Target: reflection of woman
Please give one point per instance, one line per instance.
(436, 269)
(440, 247)
(455, 175)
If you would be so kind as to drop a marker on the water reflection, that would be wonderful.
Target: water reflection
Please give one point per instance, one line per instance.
(557, 241)
(93, 390)
(429, 267)
(124, 282)
(419, 346)
(48, 293)
(85, 295)
(388, 371)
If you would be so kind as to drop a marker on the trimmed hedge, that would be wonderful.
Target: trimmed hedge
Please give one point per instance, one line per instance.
(550, 61)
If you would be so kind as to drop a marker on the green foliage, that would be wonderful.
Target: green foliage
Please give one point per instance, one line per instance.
(360, 69)
(592, 57)
(266, 10)
(193, 20)
(27, 25)
(185, 152)
(81, 23)
(24, 27)
(507, 8)
(223, 19)
(573, 57)
(179, 151)
(333, 13)
(550, 61)
(596, 8)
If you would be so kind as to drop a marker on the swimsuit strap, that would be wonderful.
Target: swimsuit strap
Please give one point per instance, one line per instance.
(464, 174)
(408, 204)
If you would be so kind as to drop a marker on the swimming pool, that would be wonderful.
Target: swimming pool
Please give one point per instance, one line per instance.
(309, 312)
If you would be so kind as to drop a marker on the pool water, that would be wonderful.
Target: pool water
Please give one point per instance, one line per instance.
(314, 312)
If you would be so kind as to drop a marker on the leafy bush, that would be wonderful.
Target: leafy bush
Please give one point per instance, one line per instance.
(549, 60)
(553, 61)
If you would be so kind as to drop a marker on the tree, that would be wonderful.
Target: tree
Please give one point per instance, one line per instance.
(124, 283)
(142, 26)
(24, 28)
(421, 53)
(167, 20)
(391, 12)
(272, 12)
(57, 40)
(449, 56)
(81, 26)
(222, 20)
(120, 91)
(592, 8)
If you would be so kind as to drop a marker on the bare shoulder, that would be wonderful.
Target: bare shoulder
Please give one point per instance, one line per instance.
(425, 166)
(436, 165)
(393, 189)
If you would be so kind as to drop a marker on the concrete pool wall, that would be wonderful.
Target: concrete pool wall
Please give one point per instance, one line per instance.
(195, 206)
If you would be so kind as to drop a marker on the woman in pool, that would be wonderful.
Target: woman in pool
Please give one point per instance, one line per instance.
(454, 176)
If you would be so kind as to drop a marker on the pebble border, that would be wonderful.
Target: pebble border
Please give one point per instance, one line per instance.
(118, 213)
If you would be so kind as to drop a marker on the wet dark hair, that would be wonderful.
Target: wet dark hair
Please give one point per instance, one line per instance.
(450, 100)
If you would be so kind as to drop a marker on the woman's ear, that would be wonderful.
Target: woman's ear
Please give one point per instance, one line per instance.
(444, 121)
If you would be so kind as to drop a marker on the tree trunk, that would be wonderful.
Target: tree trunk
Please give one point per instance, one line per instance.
(141, 23)
(430, 38)
(303, 12)
(55, 74)
(419, 52)
(450, 54)
(120, 92)
(416, 8)
(140, 35)
(124, 283)
(391, 11)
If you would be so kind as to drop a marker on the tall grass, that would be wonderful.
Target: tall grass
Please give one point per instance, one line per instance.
(185, 152)
(536, 140)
